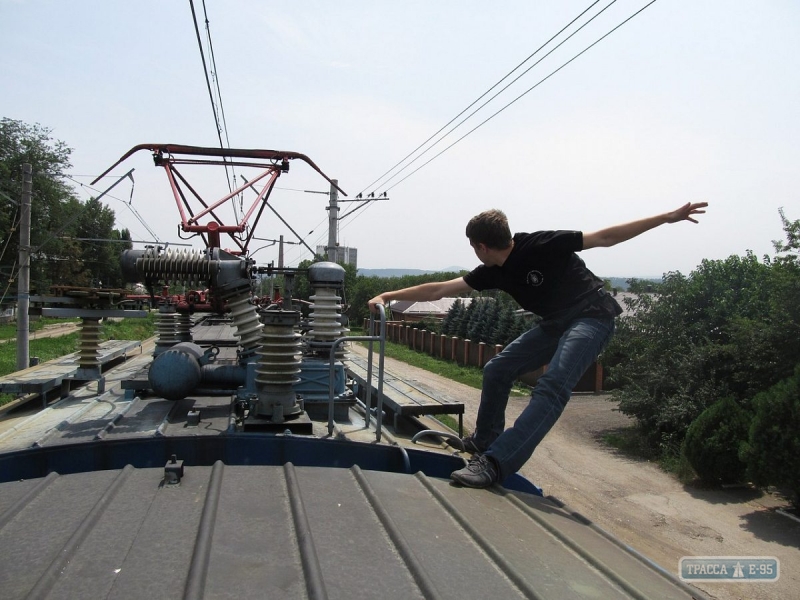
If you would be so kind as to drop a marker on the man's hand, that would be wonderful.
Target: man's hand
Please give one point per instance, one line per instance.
(375, 301)
(685, 212)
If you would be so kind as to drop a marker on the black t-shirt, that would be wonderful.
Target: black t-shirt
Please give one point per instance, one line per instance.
(545, 276)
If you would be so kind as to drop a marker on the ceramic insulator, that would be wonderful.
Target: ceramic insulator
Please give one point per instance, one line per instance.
(181, 266)
(89, 353)
(245, 318)
(325, 320)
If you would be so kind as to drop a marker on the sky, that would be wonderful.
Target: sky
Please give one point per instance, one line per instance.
(687, 101)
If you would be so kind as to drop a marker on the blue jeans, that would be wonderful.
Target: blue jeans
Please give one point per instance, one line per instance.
(568, 356)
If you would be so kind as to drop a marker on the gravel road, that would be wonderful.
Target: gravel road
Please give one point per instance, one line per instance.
(646, 508)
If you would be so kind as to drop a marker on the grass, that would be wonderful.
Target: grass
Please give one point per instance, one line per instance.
(471, 376)
(631, 442)
(55, 347)
(130, 329)
(45, 348)
(449, 422)
(9, 330)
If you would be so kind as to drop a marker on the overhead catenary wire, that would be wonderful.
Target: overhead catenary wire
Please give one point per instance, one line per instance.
(15, 220)
(367, 202)
(512, 82)
(128, 203)
(530, 89)
(219, 127)
(474, 102)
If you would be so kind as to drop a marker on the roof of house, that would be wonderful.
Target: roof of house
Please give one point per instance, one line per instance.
(433, 307)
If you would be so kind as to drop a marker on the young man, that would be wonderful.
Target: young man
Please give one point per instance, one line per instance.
(544, 275)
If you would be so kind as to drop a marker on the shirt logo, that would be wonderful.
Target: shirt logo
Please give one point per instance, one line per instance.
(534, 278)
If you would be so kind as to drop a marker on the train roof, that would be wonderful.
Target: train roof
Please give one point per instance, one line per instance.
(126, 498)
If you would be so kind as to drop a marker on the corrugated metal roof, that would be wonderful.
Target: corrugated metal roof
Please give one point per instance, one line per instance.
(441, 306)
(302, 532)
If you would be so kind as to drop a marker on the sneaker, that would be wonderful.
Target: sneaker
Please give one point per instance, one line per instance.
(481, 472)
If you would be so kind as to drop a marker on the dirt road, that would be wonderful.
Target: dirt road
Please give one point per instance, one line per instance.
(649, 510)
(50, 331)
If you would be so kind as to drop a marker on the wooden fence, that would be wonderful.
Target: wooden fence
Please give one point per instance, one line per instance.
(474, 354)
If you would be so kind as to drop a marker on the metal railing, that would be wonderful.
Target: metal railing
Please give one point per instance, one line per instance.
(381, 339)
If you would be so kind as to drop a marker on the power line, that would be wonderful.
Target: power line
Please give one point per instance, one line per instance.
(474, 102)
(215, 75)
(590, 46)
(217, 125)
(473, 113)
(129, 203)
(15, 221)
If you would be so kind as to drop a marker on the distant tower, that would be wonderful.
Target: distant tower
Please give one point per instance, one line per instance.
(344, 255)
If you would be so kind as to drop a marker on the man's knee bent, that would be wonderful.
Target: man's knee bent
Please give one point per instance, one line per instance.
(497, 371)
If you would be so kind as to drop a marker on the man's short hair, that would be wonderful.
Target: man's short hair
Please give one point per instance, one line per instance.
(490, 228)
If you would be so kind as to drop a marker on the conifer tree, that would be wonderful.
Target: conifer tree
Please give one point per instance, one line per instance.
(450, 321)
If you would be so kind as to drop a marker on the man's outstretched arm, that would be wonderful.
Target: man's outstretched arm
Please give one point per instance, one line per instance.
(426, 291)
(620, 233)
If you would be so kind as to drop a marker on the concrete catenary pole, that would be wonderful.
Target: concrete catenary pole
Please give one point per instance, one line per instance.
(24, 277)
(333, 223)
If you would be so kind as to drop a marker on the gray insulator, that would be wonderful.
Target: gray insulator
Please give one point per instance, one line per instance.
(278, 366)
(183, 327)
(89, 353)
(325, 318)
(326, 273)
(245, 318)
(326, 322)
(217, 267)
(166, 328)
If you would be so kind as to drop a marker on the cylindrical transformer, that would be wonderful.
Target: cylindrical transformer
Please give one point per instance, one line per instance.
(175, 373)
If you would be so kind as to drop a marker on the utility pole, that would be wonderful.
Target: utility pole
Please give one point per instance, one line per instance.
(333, 222)
(280, 252)
(24, 277)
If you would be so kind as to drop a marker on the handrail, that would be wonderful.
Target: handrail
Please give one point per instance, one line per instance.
(444, 434)
(381, 338)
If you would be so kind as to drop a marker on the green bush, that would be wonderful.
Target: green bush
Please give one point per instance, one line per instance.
(773, 449)
(713, 441)
(426, 323)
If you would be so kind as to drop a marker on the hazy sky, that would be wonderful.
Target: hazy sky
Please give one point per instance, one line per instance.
(690, 100)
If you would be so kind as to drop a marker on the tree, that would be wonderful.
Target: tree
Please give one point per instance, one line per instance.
(22, 143)
(505, 325)
(451, 319)
(729, 329)
(477, 318)
(467, 318)
(366, 288)
(791, 230)
(773, 447)
(713, 441)
(57, 216)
